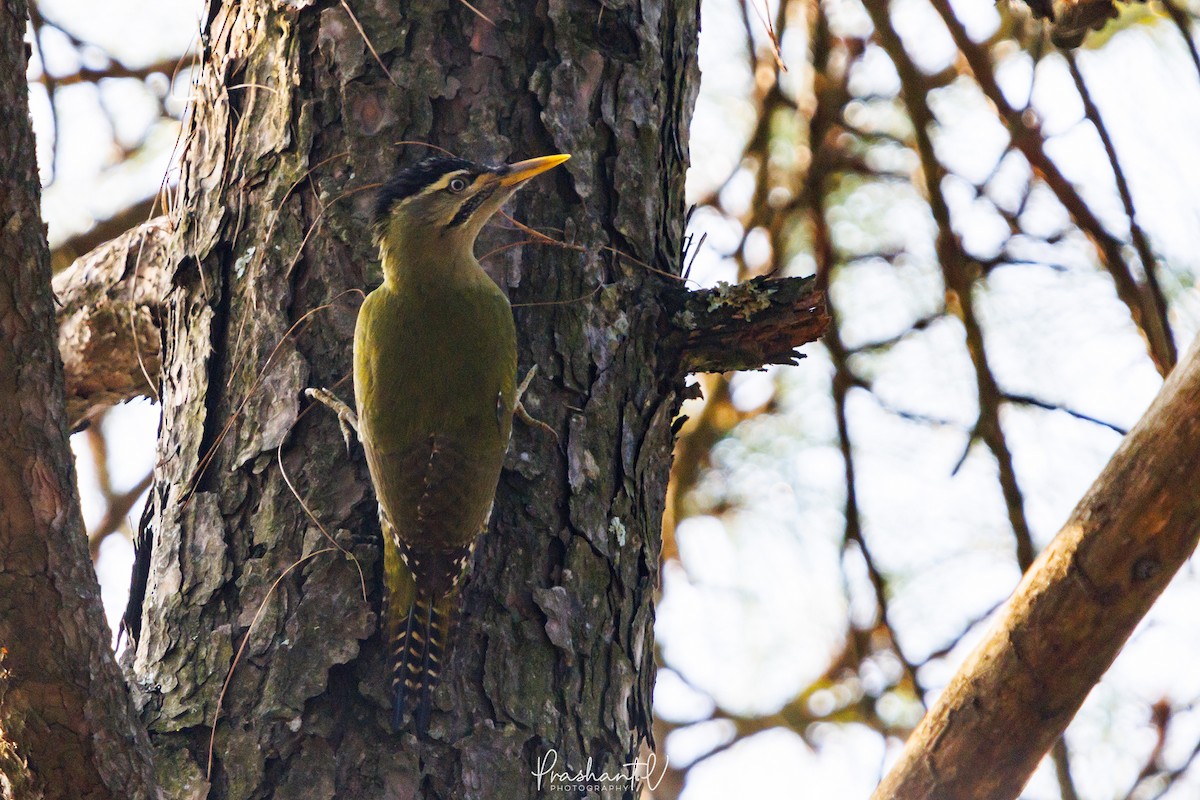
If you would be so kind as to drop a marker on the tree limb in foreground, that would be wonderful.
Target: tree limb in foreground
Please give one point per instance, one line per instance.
(1069, 617)
(108, 314)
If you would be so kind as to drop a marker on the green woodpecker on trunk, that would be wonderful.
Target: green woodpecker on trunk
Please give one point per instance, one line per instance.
(435, 363)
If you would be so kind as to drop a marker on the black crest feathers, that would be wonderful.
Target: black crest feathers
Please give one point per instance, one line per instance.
(411, 180)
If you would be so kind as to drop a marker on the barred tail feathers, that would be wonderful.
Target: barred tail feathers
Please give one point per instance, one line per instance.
(418, 626)
(399, 599)
(417, 656)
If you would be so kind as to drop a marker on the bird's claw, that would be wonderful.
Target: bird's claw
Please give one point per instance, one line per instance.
(525, 383)
(533, 421)
(347, 419)
(521, 413)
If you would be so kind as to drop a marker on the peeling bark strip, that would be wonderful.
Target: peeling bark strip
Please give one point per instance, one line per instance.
(1074, 610)
(109, 309)
(293, 121)
(63, 704)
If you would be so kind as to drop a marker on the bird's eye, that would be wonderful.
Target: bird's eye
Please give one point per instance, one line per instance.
(456, 185)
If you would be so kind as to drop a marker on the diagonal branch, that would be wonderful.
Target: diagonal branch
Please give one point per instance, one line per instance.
(1073, 611)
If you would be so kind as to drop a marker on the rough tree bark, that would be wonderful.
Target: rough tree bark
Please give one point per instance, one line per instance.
(67, 728)
(294, 118)
(1073, 611)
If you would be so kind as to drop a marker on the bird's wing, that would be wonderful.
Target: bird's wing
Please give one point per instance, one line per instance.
(439, 490)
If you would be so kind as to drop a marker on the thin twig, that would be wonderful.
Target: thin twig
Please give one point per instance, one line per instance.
(1140, 241)
(367, 40)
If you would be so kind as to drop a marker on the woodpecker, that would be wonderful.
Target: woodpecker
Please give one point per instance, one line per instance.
(435, 362)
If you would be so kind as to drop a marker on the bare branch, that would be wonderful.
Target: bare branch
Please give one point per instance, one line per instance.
(115, 69)
(1062, 770)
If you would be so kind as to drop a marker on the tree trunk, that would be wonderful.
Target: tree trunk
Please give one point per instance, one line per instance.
(67, 729)
(294, 121)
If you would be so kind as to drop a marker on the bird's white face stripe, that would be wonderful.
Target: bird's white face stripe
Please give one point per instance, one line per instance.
(444, 181)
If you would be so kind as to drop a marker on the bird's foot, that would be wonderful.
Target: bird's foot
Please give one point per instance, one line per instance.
(523, 414)
(347, 419)
(525, 383)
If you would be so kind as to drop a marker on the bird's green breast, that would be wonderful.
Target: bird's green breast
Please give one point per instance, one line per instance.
(434, 360)
(434, 375)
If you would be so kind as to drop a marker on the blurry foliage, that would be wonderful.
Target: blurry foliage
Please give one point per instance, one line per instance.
(837, 533)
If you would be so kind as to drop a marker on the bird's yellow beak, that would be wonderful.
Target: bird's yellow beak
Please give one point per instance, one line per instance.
(524, 170)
